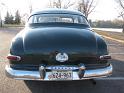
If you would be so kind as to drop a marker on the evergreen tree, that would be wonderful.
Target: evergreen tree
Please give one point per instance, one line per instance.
(17, 18)
(9, 18)
(11, 21)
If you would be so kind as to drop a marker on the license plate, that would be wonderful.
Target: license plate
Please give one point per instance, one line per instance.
(61, 75)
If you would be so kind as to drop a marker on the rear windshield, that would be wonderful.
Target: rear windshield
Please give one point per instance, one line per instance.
(62, 18)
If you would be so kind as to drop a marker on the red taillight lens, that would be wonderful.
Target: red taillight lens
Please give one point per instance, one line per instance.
(14, 58)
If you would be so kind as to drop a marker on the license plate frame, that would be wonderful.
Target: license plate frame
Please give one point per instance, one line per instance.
(61, 75)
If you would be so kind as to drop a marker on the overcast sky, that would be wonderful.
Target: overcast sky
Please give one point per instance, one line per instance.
(105, 9)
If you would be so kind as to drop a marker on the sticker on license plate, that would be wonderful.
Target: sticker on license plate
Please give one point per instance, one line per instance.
(61, 75)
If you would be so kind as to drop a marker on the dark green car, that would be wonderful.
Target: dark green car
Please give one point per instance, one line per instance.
(58, 44)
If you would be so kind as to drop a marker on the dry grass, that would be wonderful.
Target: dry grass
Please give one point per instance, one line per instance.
(116, 35)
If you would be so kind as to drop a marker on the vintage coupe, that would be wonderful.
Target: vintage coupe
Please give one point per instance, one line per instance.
(58, 44)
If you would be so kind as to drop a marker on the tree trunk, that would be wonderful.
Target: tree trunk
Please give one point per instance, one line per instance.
(1, 23)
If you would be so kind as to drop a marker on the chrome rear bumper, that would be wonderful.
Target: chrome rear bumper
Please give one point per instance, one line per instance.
(35, 75)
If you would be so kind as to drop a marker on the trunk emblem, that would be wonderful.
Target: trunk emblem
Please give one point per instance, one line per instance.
(61, 57)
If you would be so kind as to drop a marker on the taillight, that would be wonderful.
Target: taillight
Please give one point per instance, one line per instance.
(105, 57)
(14, 58)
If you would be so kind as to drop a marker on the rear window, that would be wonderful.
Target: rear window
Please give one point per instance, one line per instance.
(62, 18)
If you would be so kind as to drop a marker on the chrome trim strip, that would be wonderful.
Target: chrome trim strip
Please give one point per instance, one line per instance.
(104, 57)
(35, 75)
(62, 67)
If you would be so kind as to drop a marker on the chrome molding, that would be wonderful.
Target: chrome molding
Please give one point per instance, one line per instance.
(62, 67)
(35, 75)
(105, 57)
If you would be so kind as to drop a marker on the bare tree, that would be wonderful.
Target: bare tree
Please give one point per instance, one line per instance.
(121, 3)
(30, 6)
(1, 4)
(60, 4)
(121, 12)
(86, 6)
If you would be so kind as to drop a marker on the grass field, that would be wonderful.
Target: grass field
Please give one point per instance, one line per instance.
(12, 25)
(115, 35)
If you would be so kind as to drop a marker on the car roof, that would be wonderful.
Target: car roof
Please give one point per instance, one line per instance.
(57, 11)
